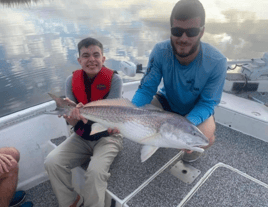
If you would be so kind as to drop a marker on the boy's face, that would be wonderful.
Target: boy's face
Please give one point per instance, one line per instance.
(91, 60)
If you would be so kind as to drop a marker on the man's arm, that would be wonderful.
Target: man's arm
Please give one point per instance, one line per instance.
(150, 81)
(210, 96)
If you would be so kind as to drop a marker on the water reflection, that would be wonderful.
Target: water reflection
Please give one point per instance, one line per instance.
(38, 40)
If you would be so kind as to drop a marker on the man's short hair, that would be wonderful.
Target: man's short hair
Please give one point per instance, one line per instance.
(188, 9)
(88, 42)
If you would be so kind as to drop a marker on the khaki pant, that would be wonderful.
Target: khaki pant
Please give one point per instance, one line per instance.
(72, 153)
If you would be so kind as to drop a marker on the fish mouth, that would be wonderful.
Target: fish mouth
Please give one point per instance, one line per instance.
(202, 145)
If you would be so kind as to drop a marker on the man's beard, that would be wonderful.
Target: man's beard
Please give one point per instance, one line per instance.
(183, 55)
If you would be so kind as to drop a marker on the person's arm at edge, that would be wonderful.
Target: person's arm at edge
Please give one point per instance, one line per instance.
(210, 96)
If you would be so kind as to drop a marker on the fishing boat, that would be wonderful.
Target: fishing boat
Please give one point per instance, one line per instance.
(233, 172)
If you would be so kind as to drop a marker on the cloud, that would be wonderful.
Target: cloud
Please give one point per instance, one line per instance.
(215, 8)
(248, 34)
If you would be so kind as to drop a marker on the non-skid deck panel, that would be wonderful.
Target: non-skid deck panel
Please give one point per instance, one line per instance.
(243, 152)
(227, 188)
(164, 191)
(42, 195)
(59, 140)
(127, 170)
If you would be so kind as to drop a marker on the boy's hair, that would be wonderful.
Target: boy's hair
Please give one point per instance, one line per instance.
(88, 42)
(188, 9)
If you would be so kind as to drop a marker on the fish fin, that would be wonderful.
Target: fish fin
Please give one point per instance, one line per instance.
(112, 102)
(151, 107)
(147, 151)
(96, 127)
(60, 102)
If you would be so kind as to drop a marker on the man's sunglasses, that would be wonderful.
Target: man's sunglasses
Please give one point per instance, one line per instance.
(191, 32)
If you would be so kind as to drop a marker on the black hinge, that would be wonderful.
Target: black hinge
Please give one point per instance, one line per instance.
(113, 202)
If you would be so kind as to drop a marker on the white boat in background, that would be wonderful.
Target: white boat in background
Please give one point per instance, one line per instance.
(233, 172)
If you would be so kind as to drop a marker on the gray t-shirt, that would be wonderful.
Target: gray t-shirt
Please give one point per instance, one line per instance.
(115, 90)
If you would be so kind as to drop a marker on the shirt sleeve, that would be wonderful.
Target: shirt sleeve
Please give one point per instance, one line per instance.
(116, 87)
(68, 89)
(210, 96)
(150, 81)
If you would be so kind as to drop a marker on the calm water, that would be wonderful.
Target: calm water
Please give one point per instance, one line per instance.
(38, 40)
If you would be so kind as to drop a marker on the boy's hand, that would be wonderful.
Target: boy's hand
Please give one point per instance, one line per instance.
(75, 115)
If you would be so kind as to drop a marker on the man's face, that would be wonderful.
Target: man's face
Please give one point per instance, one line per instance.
(184, 45)
(91, 60)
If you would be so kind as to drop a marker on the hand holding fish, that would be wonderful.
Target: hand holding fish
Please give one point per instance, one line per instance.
(75, 115)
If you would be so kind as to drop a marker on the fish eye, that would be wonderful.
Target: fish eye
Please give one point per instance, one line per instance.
(194, 134)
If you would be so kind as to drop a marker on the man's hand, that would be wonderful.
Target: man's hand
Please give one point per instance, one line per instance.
(187, 151)
(6, 163)
(75, 115)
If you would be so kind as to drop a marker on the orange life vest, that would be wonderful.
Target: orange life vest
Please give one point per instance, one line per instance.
(99, 88)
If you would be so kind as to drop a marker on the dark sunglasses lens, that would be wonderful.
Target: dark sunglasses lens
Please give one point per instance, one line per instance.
(192, 32)
(177, 31)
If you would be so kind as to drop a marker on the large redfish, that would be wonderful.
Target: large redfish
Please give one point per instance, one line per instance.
(153, 128)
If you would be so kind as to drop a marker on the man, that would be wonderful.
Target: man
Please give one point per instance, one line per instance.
(193, 72)
(93, 82)
(9, 169)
